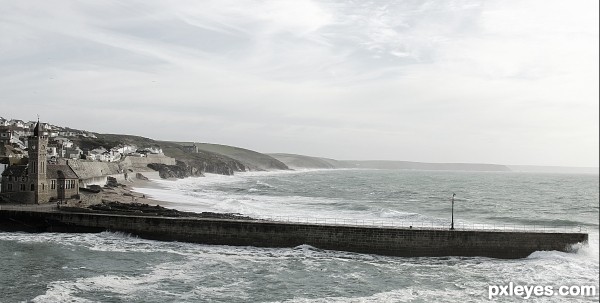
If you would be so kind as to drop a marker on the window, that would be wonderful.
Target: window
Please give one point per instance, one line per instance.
(22, 187)
(9, 187)
(52, 184)
(32, 187)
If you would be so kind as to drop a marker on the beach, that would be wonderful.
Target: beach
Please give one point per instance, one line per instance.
(124, 193)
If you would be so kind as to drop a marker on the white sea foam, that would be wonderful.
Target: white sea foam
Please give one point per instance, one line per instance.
(197, 194)
(171, 271)
(409, 294)
(197, 265)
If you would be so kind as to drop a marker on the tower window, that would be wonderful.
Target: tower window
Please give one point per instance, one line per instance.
(32, 187)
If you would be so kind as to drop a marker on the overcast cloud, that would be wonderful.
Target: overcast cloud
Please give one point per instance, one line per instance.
(507, 82)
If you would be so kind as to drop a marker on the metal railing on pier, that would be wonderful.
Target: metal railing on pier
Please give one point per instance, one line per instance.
(436, 225)
(417, 224)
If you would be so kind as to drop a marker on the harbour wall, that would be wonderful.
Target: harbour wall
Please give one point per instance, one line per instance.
(373, 240)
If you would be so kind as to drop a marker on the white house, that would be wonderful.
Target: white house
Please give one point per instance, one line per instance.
(67, 133)
(151, 150)
(18, 143)
(125, 149)
(71, 153)
(64, 142)
(18, 123)
(51, 151)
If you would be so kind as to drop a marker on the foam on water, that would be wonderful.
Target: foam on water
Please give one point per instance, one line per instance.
(198, 194)
(119, 267)
(190, 272)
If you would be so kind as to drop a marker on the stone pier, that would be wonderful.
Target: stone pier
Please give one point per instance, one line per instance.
(403, 242)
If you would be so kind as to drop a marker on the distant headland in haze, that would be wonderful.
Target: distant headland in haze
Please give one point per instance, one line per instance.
(301, 161)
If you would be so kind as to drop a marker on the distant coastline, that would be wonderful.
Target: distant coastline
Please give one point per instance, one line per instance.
(295, 161)
(553, 169)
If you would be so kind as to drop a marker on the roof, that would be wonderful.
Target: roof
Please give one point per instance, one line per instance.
(15, 170)
(59, 171)
(36, 130)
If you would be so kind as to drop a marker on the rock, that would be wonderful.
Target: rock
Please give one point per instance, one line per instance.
(92, 189)
(95, 187)
(111, 182)
(180, 170)
(145, 209)
(139, 176)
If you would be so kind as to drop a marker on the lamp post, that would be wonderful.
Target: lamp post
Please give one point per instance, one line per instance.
(452, 225)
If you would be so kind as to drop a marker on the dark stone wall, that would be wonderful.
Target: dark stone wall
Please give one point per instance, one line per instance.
(383, 241)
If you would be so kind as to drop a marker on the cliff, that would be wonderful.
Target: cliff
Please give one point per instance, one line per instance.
(300, 161)
(251, 159)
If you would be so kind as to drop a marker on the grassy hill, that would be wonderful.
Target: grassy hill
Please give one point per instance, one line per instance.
(204, 161)
(251, 159)
(300, 161)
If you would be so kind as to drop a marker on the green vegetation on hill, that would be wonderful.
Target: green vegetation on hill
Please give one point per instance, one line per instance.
(251, 159)
(203, 161)
(300, 161)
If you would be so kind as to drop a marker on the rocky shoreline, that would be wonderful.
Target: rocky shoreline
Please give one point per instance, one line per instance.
(114, 207)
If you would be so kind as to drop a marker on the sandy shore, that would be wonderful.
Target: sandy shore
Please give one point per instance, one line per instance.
(123, 194)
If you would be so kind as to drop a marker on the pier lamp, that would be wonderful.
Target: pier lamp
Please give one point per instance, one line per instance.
(452, 224)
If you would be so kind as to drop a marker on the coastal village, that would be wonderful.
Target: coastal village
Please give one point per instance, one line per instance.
(39, 162)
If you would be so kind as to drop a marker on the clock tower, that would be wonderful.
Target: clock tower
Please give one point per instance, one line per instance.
(38, 162)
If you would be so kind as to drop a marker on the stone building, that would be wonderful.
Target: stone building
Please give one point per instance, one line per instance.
(38, 181)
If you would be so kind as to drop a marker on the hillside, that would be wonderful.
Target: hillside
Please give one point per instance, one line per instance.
(204, 161)
(300, 161)
(250, 159)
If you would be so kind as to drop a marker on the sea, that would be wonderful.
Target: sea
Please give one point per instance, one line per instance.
(117, 267)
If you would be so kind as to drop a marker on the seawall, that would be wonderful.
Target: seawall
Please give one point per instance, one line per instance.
(97, 173)
(373, 240)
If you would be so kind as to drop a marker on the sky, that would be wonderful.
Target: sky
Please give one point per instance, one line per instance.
(507, 82)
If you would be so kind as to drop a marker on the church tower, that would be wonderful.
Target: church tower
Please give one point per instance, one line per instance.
(38, 162)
